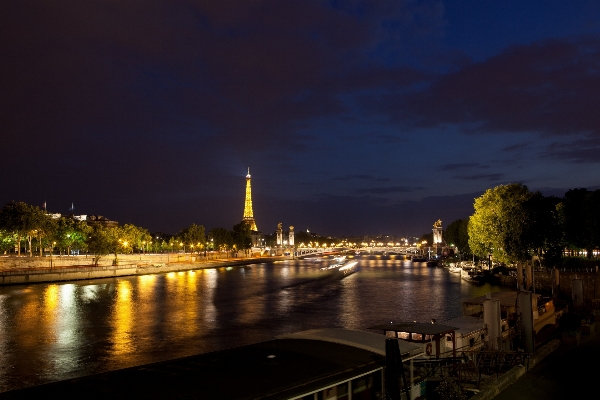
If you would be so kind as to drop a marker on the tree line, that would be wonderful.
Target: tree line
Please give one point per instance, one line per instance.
(24, 226)
(513, 224)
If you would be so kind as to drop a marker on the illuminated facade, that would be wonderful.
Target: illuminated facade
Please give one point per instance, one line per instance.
(437, 232)
(248, 214)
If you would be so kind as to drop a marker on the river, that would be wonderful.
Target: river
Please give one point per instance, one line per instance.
(56, 331)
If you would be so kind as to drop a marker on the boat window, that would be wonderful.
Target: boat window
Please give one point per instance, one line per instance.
(342, 391)
(390, 334)
(330, 393)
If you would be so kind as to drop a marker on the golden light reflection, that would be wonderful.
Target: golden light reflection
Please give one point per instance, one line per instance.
(184, 302)
(208, 293)
(191, 303)
(253, 308)
(50, 299)
(122, 320)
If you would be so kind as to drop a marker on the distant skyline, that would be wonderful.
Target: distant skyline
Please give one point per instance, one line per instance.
(374, 117)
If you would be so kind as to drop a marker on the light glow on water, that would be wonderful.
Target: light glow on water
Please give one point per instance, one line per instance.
(55, 331)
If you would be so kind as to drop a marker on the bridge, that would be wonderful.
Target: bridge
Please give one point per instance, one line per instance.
(306, 251)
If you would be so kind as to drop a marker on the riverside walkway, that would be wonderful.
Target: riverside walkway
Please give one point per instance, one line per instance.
(568, 372)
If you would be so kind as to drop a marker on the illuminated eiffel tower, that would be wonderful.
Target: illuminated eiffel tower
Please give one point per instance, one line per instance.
(248, 214)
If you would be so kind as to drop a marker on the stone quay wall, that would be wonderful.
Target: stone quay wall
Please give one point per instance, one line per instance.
(19, 270)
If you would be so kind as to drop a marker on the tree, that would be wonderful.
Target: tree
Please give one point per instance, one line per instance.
(497, 226)
(542, 229)
(103, 241)
(303, 237)
(8, 240)
(222, 239)
(581, 219)
(22, 219)
(113, 240)
(132, 237)
(46, 228)
(242, 238)
(194, 237)
(70, 234)
(457, 234)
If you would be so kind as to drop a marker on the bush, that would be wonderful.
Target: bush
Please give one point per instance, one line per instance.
(448, 389)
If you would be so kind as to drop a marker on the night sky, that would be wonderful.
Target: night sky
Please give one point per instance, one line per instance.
(375, 117)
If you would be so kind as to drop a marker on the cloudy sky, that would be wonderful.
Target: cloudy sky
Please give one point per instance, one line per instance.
(374, 117)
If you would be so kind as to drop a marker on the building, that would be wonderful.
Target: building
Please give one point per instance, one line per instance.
(93, 220)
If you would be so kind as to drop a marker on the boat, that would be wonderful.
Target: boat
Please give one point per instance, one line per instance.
(455, 269)
(339, 259)
(432, 262)
(419, 259)
(341, 266)
(471, 274)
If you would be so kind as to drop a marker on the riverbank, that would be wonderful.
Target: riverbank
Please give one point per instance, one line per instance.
(14, 271)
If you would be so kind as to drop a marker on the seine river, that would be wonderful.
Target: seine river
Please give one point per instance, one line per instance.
(51, 332)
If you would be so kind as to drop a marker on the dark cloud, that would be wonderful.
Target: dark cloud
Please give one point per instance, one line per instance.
(462, 166)
(387, 139)
(583, 150)
(517, 146)
(391, 189)
(236, 73)
(481, 177)
(361, 177)
(550, 88)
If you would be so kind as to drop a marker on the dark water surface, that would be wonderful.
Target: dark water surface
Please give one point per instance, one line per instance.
(51, 332)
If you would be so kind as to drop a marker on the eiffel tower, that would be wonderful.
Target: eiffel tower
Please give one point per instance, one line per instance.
(248, 214)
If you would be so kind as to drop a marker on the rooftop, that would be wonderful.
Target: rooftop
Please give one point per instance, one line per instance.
(277, 369)
(507, 299)
(416, 327)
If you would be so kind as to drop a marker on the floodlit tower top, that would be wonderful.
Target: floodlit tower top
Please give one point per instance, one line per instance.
(248, 176)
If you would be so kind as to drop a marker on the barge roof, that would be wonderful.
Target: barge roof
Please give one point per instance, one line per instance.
(282, 368)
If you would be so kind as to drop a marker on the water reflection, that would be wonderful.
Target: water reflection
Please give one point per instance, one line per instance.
(56, 331)
(122, 321)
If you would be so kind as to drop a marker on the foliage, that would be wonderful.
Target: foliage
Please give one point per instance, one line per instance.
(103, 241)
(580, 215)
(132, 238)
(221, 239)
(428, 237)
(8, 240)
(194, 237)
(302, 237)
(241, 234)
(542, 228)
(70, 234)
(448, 389)
(22, 219)
(497, 226)
(457, 234)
